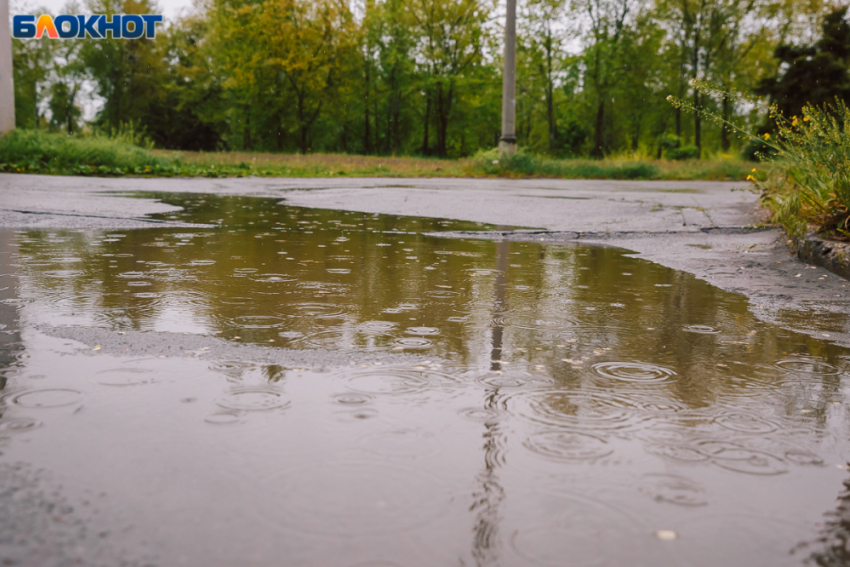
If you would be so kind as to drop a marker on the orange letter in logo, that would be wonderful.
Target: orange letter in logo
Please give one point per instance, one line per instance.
(45, 22)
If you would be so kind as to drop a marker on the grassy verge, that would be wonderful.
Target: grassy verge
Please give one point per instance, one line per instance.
(315, 165)
(527, 165)
(35, 151)
(27, 151)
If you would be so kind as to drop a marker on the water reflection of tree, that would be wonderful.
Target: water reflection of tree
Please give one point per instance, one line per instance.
(834, 541)
(490, 494)
(10, 336)
(579, 293)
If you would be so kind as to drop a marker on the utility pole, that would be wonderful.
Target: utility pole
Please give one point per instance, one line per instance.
(507, 143)
(7, 87)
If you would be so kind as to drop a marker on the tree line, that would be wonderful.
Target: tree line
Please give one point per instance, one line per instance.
(423, 77)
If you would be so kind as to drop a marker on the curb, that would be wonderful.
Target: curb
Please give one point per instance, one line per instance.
(834, 256)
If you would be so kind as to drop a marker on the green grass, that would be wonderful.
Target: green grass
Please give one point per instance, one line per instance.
(37, 151)
(528, 165)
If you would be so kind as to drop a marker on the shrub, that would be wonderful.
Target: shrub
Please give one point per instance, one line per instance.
(809, 184)
(679, 154)
(812, 184)
(39, 151)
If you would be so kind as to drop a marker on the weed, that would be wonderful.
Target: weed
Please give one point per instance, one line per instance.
(809, 181)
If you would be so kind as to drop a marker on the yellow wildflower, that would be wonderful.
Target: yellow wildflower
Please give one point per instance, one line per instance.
(767, 136)
(754, 170)
(750, 178)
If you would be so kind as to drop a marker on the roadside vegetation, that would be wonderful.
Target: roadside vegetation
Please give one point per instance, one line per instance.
(421, 78)
(36, 151)
(809, 185)
(806, 183)
(804, 137)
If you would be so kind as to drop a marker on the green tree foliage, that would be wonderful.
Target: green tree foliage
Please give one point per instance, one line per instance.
(401, 77)
(815, 75)
(32, 60)
(128, 74)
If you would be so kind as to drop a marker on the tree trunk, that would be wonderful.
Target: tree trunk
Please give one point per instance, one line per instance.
(246, 136)
(367, 136)
(725, 142)
(377, 145)
(388, 142)
(302, 123)
(598, 142)
(35, 102)
(697, 125)
(444, 108)
(550, 95)
(678, 122)
(425, 149)
(697, 117)
(396, 129)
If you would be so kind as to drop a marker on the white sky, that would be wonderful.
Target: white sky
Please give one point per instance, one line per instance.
(168, 8)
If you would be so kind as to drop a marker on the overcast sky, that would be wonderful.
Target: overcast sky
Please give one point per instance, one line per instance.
(169, 8)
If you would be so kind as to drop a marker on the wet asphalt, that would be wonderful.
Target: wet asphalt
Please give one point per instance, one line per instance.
(713, 230)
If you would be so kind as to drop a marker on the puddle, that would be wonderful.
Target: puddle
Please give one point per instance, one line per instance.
(558, 401)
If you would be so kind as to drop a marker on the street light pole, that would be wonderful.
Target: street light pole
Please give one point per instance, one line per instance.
(507, 143)
(7, 87)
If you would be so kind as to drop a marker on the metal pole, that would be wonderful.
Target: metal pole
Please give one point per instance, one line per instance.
(507, 143)
(7, 87)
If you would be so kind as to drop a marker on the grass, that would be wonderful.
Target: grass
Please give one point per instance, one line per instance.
(527, 165)
(36, 151)
(317, 165)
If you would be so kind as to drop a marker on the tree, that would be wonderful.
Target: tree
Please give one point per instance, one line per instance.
(189, 112)
(31, 62)
(603, 57)
(128, 73)
(814, 75)
(451, 38)
(542, 44)
(287, 55)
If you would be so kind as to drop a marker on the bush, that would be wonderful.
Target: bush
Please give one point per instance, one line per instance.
(679, 154)
(37, 151)
(809, 184)
(668, 142)
(569, 139)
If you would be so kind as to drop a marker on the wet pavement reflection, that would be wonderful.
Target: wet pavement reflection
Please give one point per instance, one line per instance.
(564, 404)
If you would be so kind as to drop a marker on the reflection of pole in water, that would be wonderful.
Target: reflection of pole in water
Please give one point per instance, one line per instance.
(488, 498)
(499, 307)
(834, 541)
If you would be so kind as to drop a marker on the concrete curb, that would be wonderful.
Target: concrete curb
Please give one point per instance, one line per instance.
(833, 256)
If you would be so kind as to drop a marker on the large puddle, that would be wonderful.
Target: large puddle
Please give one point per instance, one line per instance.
(558, 405)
